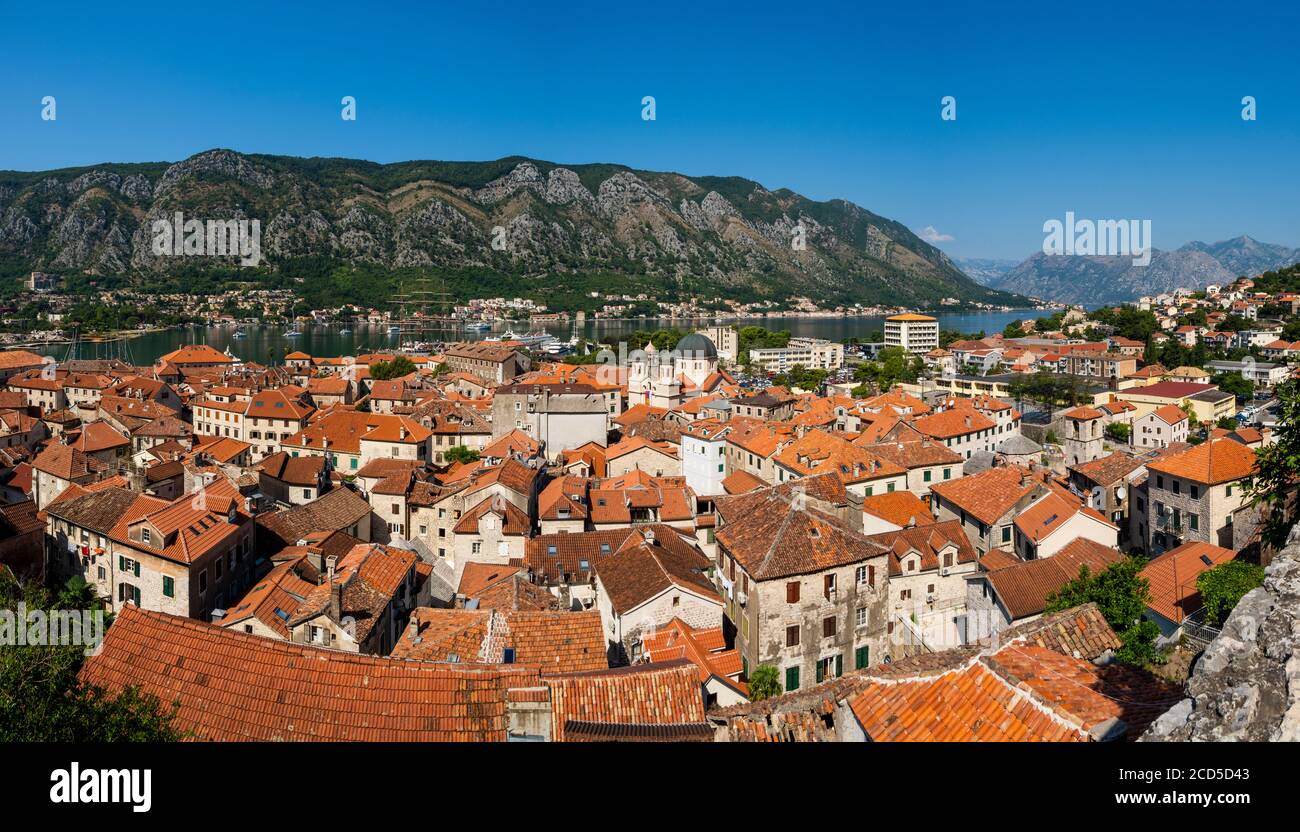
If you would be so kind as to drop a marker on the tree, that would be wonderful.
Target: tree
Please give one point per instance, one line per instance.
(1122, 594)
(43, 700)
(398, 367)
(1012, 330)
(1277, 472)
(756, 337)
(1118, 431)
(1048, 389)
(1235, 384)
(1224, 585)
(1227, 423)
(802, 377)
(764, 683)
(461, 453)
(1129, 322)
(893, 365)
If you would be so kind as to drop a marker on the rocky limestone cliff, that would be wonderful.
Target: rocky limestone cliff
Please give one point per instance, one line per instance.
(697, 232)
(1246, 685)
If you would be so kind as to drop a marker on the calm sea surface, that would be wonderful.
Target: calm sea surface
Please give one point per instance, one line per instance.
(263, 342)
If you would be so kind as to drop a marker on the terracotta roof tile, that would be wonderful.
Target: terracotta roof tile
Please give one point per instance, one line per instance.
(636, 698)
(1025, 586)
(1210, 463)
(902, 508)
(232, 686)
(1173, 577)
(987, 495)
(643, 567)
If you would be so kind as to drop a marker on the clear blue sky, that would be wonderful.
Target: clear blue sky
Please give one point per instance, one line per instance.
(1109, 110)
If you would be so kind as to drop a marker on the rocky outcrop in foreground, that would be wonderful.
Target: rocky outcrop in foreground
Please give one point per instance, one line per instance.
(1246, 686)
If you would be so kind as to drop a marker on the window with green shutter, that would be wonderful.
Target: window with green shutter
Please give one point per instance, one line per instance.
(137, 568)
(861, 657)
(791, 679)
(927, 476)
(839, 664)
(169, 587)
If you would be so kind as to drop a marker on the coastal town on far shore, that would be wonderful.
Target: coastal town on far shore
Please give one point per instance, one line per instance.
(39, 314)
(704, 531)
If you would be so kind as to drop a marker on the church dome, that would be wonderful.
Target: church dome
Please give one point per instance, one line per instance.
(696, 345)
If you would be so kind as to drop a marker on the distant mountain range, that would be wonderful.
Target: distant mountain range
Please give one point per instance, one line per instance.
(621, 228)
(1092, 280)
(987, 271)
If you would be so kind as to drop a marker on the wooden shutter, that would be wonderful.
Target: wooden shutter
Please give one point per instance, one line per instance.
(137, 569)
(792, 592)
(839, 664)
(826, 586)
(871, 576)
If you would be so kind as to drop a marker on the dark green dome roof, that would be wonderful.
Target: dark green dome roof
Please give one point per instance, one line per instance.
(696, 345)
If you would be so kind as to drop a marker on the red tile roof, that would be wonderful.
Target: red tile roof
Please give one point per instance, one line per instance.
(774, 533)
(638, 699)
(989, 494)
(902, 508)
(643, 567)
(548, 641)
(1173, 577)
(705, 647)
(1210, 463)
(1023, 692)
(1024, 586)
(232, 686)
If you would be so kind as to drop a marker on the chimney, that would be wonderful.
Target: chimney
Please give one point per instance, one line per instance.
(336, 600)
(401, 432)
(413, 628)
(648, 535)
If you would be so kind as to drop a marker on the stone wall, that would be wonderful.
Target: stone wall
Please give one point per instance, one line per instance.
(1246, 685)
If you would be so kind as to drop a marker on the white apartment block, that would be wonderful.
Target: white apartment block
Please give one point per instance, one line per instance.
(809, 353)
(914, 333)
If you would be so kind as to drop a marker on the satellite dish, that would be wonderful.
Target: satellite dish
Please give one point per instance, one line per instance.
(1120, 492)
